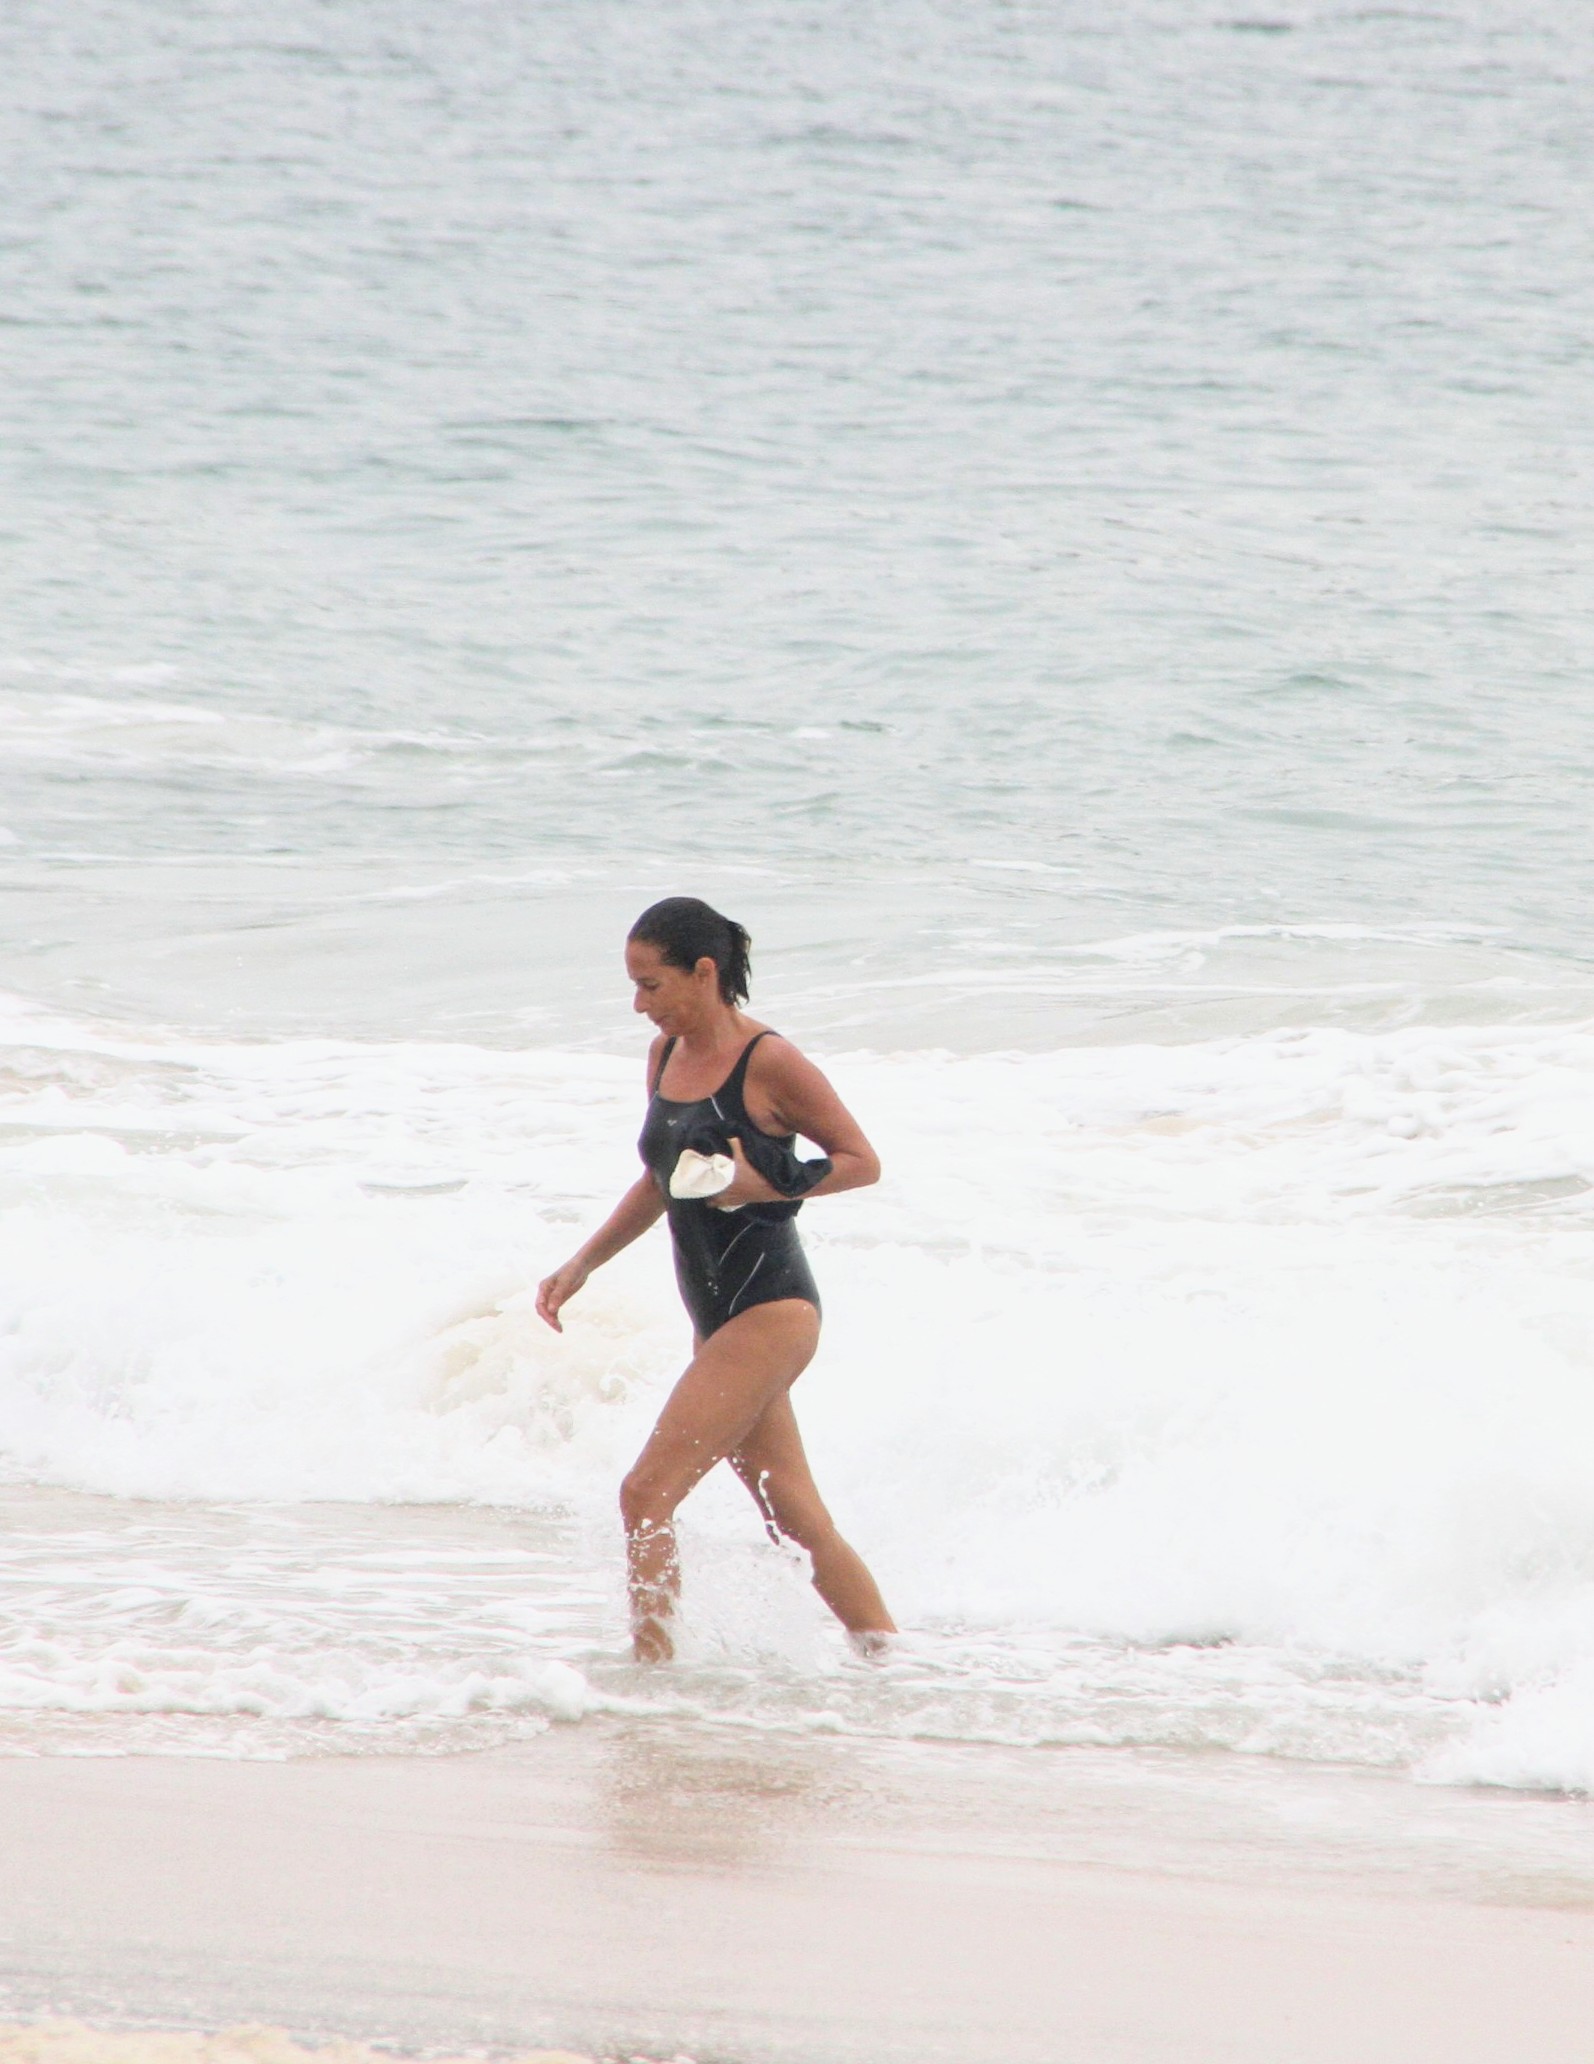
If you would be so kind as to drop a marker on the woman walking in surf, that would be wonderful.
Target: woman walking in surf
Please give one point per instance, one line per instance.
(727, 1098)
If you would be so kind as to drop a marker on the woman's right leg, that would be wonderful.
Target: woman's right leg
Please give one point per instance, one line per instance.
(724, 1393)
(772, 1464)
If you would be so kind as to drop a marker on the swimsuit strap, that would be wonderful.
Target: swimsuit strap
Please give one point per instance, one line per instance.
(732, 1085)
(735, 1083)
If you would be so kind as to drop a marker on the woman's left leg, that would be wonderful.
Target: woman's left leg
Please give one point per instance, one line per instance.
(726, 1388)
(773, 1465)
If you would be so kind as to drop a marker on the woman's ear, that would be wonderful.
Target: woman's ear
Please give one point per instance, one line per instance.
(707, 969)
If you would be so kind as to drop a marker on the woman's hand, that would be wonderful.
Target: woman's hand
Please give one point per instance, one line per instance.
(747, 1185)
(557, 1289)
(639, 1208)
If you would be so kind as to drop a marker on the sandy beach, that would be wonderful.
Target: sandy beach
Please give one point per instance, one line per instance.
(621, 1890)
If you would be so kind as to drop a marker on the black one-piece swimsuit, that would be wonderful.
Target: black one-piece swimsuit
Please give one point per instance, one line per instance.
(725, 1261)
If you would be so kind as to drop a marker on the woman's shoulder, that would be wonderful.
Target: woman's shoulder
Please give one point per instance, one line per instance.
(765, 1046)
(775, 1060)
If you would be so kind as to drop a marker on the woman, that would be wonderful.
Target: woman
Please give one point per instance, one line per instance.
(717, 1077)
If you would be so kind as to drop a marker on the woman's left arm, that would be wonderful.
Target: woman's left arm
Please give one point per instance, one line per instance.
(801, 1099)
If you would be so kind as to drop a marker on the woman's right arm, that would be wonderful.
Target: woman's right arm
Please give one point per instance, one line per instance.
(639, 1208)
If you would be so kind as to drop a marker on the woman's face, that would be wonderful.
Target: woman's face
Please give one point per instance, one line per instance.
(676, 999)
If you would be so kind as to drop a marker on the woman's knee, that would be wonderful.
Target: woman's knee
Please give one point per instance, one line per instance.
(799, 1518)
(645, 1502)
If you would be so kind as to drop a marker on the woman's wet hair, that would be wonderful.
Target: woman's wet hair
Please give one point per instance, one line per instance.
(686, 930)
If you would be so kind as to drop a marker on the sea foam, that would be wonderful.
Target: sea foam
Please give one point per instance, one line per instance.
(1230, 1393)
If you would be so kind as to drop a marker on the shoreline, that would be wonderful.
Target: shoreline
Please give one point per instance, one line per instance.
(626, 1888)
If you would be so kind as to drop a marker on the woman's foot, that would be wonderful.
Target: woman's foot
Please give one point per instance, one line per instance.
(651, 1643)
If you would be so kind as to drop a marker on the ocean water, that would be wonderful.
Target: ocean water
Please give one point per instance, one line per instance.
(1073, 523)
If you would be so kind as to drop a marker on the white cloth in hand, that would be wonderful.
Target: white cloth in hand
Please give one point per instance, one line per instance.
(701, 1175)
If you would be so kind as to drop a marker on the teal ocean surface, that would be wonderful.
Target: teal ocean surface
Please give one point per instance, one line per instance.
(1071, 521)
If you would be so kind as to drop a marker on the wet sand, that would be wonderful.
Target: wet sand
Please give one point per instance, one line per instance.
(60, 2041)
(627, 1889)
